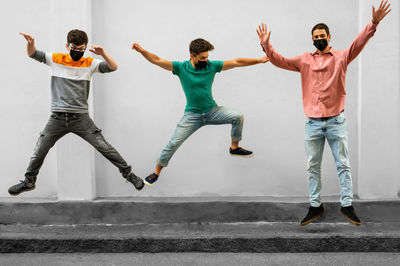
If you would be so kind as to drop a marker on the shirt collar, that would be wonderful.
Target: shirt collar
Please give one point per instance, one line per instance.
(331, 51)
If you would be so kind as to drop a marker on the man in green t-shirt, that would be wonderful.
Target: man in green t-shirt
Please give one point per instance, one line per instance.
(196, 76)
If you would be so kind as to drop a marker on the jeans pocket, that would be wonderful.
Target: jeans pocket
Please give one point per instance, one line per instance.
(340, 119)
(54, 116)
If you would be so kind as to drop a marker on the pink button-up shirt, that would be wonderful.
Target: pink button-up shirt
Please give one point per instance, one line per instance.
(323, 75)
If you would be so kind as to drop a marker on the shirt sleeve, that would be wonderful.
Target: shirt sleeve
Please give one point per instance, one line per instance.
(217, 65)
(361, 40)
(42, 57)
(278, 60)
(176, 67)
(100, 66)
(104, 68)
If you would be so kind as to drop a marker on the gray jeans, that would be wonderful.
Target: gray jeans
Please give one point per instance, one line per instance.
(81, 124)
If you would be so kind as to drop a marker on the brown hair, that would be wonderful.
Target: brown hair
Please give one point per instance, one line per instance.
(200, 45)
(77, 37)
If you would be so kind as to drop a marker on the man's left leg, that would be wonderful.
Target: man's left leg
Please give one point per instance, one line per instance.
(220, 115)
(336, 136)
(84, 127)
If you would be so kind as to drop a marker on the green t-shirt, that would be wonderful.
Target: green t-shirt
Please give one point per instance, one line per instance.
(197, 84)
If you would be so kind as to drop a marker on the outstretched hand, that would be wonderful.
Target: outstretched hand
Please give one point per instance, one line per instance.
(381, 12)
(137, 47)
(264, 59)
(96, 49)
(263, 34)
(28, 37)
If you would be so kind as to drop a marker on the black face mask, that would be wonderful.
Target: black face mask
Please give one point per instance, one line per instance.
(75, 55)
(201, 64)
(321, 44)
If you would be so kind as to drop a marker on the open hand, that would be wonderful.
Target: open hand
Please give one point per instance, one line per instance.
(264, 59)
(28, 37)
(137, 47)
(96, 49)
(263, 34)
(381, 12)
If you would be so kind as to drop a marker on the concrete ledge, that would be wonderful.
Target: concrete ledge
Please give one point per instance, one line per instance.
(211, 226)
(238, 237)
(131, 212)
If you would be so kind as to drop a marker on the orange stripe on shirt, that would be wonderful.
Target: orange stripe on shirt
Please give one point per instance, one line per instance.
(66, 60)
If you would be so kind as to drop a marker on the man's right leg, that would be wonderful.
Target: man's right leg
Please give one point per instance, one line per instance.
(314, 146)
(188, 124)
(53, 131)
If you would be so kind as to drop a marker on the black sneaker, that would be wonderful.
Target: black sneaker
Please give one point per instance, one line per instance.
(313, 213)
(21, 187)
(149, 180)
(135, 180)
(349, 213)
(241, 152)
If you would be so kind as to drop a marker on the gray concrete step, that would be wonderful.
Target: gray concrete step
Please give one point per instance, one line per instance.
(201, 237)
(120, 226)
(134, 211)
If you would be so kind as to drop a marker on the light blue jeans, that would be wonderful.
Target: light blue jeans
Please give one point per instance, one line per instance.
(190, 122)
(334, 130)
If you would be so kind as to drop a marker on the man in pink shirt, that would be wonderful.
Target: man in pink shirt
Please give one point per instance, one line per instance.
(323, 76)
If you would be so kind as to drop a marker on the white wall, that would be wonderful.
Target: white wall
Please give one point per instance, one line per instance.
(380, 116)
(138, 106)
(25, 94)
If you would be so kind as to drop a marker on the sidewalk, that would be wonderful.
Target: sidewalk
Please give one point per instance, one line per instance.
(111, 226)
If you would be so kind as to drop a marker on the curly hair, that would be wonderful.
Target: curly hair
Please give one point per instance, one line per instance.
(77, 37)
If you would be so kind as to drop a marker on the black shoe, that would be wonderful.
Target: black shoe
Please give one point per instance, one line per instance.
(349, 213)
(149, 180)
(241, 152)
(135, 180)
(313, 213)
(21, 187)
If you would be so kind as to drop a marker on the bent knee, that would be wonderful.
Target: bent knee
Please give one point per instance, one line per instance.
(238, 118)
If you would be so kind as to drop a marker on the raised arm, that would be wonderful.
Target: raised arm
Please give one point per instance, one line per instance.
(31, 49)
(30, 43)
(274, 57)
(358, 44)
(152, 58)
(241, 62)
(112, 65)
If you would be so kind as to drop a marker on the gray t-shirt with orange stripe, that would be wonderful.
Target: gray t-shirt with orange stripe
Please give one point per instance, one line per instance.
(70, 80)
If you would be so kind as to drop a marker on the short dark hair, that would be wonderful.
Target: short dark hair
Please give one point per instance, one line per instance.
(200, 45)
(77, 37)
(320, 26)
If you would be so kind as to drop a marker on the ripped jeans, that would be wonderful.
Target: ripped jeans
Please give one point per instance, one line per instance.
(81, 124)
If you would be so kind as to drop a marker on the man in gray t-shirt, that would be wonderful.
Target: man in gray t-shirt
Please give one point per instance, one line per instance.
(70, 83)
